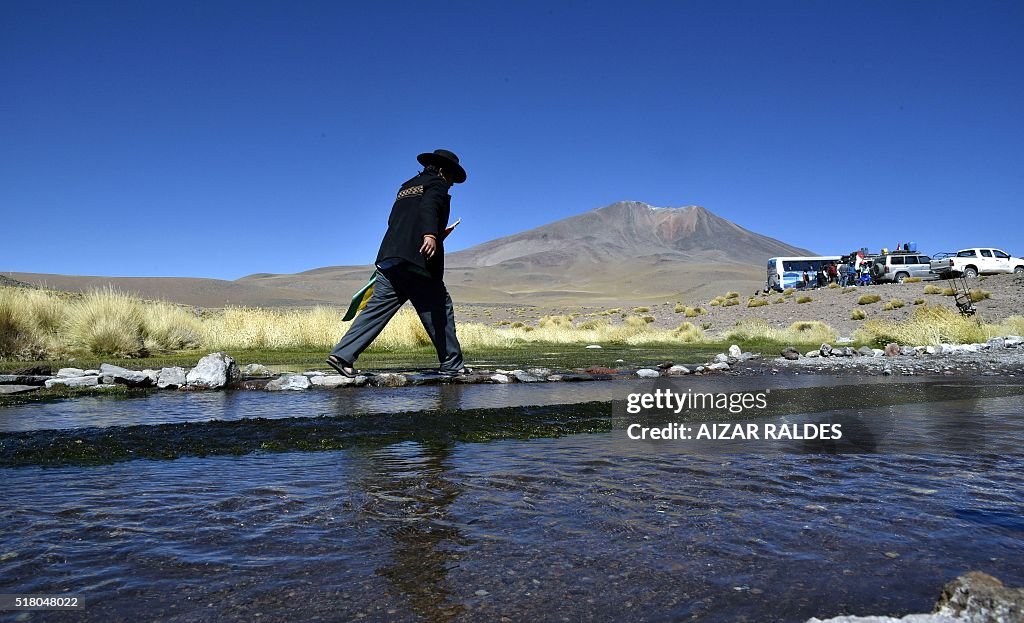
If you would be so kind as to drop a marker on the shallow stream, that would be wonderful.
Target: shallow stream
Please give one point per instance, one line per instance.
(463, 503)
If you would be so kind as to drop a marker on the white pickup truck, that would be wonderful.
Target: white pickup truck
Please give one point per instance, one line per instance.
(974, 262)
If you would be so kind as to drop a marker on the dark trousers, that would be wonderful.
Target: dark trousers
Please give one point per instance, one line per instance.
(395, 286)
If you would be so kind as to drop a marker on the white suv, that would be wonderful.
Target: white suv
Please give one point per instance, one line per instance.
(976, 261)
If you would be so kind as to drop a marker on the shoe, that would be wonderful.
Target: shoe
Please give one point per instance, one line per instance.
(454, 373)
(343, 367)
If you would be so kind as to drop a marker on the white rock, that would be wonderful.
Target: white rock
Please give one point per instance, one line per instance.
(18, 389)
(154, 375)
(877, 352)
(812, 353)
(65, 373)
(593, 346)
(171, 378)
(721, 365)
(389, 379)
(74, 381)
(525, 377)
(257, 369)
(735, 351)
(310, 373)
(123, 376)
(287, 382)
(501, 378)
(337, 380)
(647, 373)
(1013, 341)
(932, 349)
(678, 371)
(721, 358)
(946, 349)
(545, 372)
(213, 371)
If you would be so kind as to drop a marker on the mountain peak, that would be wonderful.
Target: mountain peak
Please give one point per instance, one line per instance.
(624, 231)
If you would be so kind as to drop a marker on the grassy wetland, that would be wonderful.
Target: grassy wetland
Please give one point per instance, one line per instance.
(82, 330)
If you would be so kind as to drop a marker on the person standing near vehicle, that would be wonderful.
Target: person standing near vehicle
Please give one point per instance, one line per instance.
(410, 267)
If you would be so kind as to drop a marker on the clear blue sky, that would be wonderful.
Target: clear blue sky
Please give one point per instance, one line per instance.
(219, 139)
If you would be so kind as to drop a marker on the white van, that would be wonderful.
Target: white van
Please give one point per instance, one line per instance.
(788, 272)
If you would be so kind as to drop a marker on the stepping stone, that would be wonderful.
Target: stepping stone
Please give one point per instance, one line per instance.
(23, 379)
(17, 389)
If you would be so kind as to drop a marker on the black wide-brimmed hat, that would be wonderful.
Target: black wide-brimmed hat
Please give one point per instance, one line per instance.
(446, 160)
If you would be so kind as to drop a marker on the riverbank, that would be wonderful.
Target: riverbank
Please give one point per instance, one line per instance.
(999, 357)
(39, 326)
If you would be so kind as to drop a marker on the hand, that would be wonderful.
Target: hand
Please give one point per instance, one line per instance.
(429, 246)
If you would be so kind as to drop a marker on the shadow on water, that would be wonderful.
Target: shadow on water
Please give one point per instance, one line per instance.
(411, 494)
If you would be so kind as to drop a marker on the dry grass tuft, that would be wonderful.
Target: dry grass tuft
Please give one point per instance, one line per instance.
(15, 327)
(936, 325)
(1014, 325)
(318, 327)
(172, 327)
(757, 302)
(893, 304)
(107, 322)
(868, 299)
(912, 280)
(554, 322)
(804, 299)
(930, 289)
(858, 314)
(757, 329)
(688, 332)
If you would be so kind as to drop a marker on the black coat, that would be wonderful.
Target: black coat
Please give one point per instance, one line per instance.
(422, 207)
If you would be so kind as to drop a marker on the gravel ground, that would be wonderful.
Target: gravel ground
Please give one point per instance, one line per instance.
(831, 306)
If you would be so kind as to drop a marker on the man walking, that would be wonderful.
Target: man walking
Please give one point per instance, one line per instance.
(410, 267)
